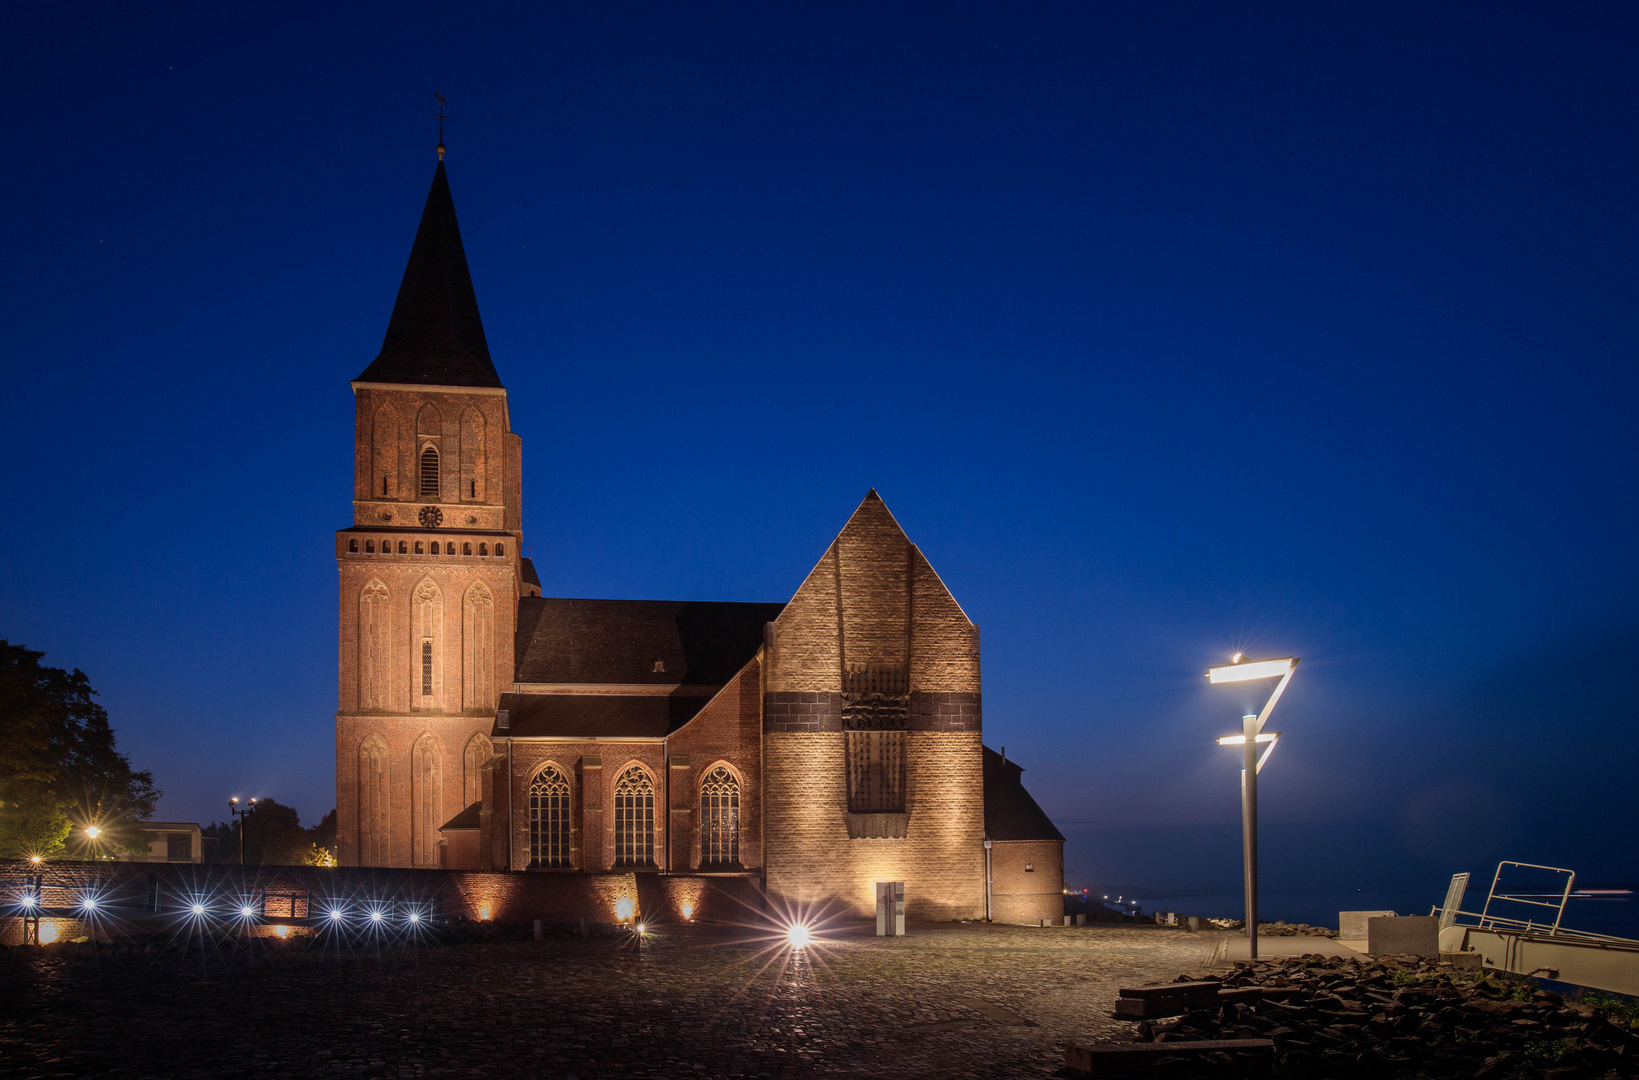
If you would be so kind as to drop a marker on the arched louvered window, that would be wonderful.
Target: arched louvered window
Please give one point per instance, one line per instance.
(549, 818)
(720, 817)
(634, 819)
(429, 473)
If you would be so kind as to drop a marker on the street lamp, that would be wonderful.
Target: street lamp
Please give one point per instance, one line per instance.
(241, 812)
(1251, 737)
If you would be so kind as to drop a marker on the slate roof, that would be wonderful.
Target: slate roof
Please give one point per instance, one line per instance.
(697, 643)
(1010, 812)
(435, 336)
(466, 819)
(604, 716)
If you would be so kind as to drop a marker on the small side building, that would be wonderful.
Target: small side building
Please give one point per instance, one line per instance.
(169, 841)
(1026, 849)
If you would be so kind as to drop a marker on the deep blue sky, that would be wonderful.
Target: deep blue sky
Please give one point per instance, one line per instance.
(1166, 330)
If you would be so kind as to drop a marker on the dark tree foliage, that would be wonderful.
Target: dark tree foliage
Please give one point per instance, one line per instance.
(273, 836)
(59, 767)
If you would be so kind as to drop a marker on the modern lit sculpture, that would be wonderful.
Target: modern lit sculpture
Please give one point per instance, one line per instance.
(1251, 737)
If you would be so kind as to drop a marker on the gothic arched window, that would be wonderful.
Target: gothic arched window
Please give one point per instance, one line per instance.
(720, 817)
(549, 818)
(429, 473)
(634, 819)
(373, 821)
(427, 621)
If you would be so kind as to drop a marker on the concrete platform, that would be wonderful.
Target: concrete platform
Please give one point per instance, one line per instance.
(1232, 947)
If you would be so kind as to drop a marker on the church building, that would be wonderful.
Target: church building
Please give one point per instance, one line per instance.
(819, 745)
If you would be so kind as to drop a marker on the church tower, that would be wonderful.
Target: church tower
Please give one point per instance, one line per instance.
(430, 568)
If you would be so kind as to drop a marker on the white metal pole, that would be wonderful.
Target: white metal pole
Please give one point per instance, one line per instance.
(1249, 829)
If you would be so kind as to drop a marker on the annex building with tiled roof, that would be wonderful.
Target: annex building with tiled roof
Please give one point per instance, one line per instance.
(818, 745)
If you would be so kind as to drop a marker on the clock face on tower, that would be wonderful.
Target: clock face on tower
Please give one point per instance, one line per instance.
(431, 517)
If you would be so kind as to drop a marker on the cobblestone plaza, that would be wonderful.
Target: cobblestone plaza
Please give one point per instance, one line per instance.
(949, 1000)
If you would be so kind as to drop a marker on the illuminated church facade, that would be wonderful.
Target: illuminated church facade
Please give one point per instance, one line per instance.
(821, 744)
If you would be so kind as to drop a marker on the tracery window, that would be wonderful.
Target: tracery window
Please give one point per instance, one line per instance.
(429, 473)
(634, 819)
(549, 818)
(720, 817)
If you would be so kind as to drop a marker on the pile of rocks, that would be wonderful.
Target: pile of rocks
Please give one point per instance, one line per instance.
(1399, 1017)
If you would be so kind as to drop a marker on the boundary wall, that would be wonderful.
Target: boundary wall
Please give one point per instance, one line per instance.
(148, 896)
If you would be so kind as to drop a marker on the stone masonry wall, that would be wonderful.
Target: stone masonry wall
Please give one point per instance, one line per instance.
(873, 601)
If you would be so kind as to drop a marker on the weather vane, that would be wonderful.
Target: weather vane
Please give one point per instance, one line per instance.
(441, 119)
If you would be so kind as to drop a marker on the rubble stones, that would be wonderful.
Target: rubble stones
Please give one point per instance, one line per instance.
(1404, 1017)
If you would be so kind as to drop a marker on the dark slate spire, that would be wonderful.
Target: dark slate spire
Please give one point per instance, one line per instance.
(435, 337)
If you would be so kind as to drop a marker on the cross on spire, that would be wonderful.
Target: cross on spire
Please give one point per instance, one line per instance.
(441, 119)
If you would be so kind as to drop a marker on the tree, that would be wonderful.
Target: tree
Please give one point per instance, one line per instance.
(273, 836)
(59, 766)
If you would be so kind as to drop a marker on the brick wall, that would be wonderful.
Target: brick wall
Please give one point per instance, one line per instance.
(873, 601)
(127, 893)
(1018, 895)
(727, 731)
(592, 767)
(386, 447)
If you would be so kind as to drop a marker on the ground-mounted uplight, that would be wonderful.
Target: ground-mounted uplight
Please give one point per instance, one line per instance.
(623, 908)
(246, 911)
(336, 915)
(641, 930)
(688, 909)
(414, 918)
(35, 859)
(197, 908)
(375, 915)
(281, 931)
(797, 935)
(89, 903)
(48, 933)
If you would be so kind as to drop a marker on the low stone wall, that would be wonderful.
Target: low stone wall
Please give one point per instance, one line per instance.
(134, 895)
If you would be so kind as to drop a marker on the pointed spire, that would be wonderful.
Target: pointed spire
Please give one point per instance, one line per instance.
(435, 337)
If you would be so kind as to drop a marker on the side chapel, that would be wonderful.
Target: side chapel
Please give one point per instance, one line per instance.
(821, 744)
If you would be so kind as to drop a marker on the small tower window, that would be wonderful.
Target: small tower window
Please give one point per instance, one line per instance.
(429, 473)
(402, 550)
(353, 546)
(435, 547)
(500, 550)
(418, 550)
(384, 485)
(466, 549)
(483, 549)
(369, 547)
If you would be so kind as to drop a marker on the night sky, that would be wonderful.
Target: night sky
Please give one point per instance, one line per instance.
(1166, 331)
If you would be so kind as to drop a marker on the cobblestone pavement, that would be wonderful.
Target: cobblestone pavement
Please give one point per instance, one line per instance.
(948, 1001)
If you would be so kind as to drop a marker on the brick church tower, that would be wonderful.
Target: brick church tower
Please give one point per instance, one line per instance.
(430, 568)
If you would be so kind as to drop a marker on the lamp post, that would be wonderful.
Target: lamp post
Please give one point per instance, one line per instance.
(1252, 734)
(241, 812)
